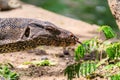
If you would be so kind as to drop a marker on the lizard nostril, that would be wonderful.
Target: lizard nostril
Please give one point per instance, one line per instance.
(71, 35)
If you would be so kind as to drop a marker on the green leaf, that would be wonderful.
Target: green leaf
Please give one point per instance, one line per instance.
(108, 67)
(115, 77)
(77, 69)
(113, 50)
(41, 63)
(70, 72)
(6, 73)
(90, 45)
(87, 68)
(79, 52)
(108, 31)
(118, 64)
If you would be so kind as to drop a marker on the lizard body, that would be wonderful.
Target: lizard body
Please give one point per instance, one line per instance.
(18, 34)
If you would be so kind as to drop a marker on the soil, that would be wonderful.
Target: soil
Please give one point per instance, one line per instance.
(55, 54)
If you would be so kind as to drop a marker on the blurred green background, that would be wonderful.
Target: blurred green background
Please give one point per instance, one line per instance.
(91, 11)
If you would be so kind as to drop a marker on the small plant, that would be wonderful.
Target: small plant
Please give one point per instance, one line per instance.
(91, 45)
(115, 77)
(109, 62)
(108, 31)
(7, 74)
(84, 69)
(79, 52)
(41, 63)
(86, 47)
(113, 50)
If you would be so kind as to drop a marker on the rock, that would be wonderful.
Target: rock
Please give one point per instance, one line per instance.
(61, 55)
(66, 52)
(38, 52)
(115, 9)
(9, 4)
(44, 58)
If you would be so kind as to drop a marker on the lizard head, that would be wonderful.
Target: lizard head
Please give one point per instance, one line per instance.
(49, 34)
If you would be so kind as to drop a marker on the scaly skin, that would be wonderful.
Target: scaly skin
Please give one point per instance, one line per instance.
(18, 34)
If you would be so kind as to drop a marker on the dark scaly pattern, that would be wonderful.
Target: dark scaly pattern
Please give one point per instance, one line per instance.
(18, 34)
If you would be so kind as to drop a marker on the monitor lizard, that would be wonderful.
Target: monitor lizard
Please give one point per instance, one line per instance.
(18, 34)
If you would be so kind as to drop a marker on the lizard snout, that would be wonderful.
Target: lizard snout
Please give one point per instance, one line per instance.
(72, 36)
(75, 38)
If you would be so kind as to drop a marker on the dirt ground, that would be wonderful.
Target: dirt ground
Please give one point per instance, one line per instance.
(55, 54)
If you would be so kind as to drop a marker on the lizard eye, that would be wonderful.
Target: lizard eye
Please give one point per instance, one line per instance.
(52, 30)
(49, 28)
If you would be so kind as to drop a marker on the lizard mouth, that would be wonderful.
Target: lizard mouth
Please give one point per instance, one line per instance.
(70, 41)
(77, 40)
(67, 39)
